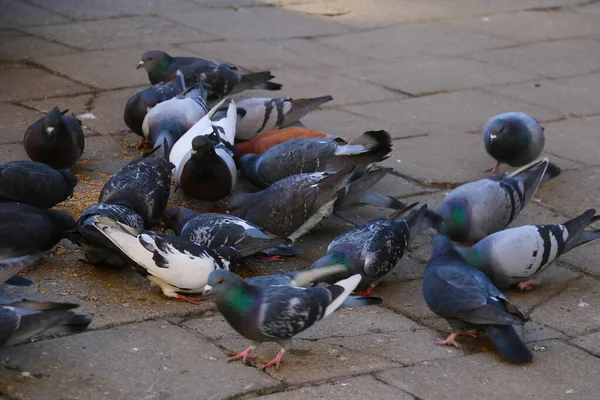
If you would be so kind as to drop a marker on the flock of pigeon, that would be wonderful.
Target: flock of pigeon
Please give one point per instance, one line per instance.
(290, 178)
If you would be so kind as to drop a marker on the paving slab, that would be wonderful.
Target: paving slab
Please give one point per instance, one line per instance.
(405, 298)
(20, 13)
(347, 125)
(11, 152)
(14, 121)
(573, 192)
(589, 343)
(551, 59)
(148, 367)
(584, 258)
(18, 46)
(571, 138)
(561, 372)
(31, 83)
(435, 74)
(108, 108)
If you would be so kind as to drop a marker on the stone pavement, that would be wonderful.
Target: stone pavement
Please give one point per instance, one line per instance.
(431, 72)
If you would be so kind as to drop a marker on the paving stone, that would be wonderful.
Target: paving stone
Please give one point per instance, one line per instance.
(240, 23)
(23, 84)
(532, 26)
(350, 388)
(148, 366)
(575, 310)
(19, 13)
(17, 46)
(533, 332)
(536, 214)
(408, 42)
(11, 152)
(120, 33)
(229, 3)
(584, 258)
(431, 75)
(589, 342)
(406, 298)
(551, 59)
(573, 191)
(345, 124)
(571, 138)
(561, 372)
(108, 108)
(14, 121)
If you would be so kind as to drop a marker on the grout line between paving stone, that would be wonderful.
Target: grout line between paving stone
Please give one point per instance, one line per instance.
(47, 10)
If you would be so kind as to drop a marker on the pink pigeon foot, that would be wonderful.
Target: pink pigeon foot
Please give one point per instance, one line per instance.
(526, 285)
(471, 333)
(270, 258)
(449, 341)
(141, 144)
(493, 169)
(275, 361)
(244, 355)
(187, 299)
(365, 292)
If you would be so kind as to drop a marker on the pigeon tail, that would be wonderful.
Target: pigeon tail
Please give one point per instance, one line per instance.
(347, 285)
(258, 80)
(414, 220)
(379, 142)
(18, 281)
(576, 227)
(509, 344)
(12, 266)
(377, 199)
(249, 245)
(301, 107)
(552, 172)
(361, 301)
(360, 185)
(282, 250)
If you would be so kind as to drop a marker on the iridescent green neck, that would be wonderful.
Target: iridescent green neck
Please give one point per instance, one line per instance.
(472, 256)
(339, 258)
(240, 300)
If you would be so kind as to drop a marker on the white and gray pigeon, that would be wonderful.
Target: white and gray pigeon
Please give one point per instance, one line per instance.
(257, 115)
(470, 302)
(216, 230)
(516, 256)
(169, 120)
(175, 264)
(372, 249)
(203, 157)
(273, 309)
(307, 155)
(477, 209)
(513, 138)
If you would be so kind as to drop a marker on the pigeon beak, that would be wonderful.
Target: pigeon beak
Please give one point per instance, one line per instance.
(207, 290)
(140, 65)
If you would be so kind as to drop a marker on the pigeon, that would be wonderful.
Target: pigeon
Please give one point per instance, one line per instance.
(372, 249)
(259, 115)
(166, 122)
(307, 155)
(477, 209)
(516, 256)
(175, 264)
(216, 230)
(224, 79)
(35, 183)
(265, 141)
(470, 302)
(513, 138)
(138, 105)
(23, 320)
(264, 312)
(56, 140)
(203, 157)
(27, 234)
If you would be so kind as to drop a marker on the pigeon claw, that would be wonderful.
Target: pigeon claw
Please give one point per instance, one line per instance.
(526, 285)
(472, 333)
(244, 355)
(493, 169)
(270, 258)
(274, 362)
(366, 292)
(448, 341)
(141, 144)
(187, 299)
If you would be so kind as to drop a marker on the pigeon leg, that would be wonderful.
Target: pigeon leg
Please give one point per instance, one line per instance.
(366, 292)
(472, 333)
(244, 355)
(275, 361)
(187, 299)
(448, 341)
(171, 291)
(270, 258)
(526, 285)
(494, 169)
(141, 144)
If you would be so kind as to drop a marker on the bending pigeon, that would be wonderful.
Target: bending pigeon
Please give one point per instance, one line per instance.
(467, 299)
(265, 141)
(513, 138)
(22, 320)
(260, 115)
(306, 155)
(477, 209)
(166, 122)
(216, 230)
(517, 255)
(174, 264)
(203, 157)
(35, 183)
(223, 78)
(372, 249)
(56, 140)
(264, 312)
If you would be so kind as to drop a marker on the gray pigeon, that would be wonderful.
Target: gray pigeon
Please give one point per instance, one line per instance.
(23, 320)
(372, 249)
(216, 230)
(516, 256)
(166, 122)
(307, 155)
(257, 115)
(223, 78)
(477, 209)
(56, 140)
(470, 302)
(265, 312)
(513, 138)
(35, 183)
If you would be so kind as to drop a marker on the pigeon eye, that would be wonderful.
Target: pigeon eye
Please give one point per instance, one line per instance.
(220, 281)
(502, 129)
(149, 58)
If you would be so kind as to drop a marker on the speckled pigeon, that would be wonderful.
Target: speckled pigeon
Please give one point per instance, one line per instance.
(306, 155)
(516, 256)
(223, 78)
(477, 209)
(372, 249)
(216, 230)
(56, 140)
(470, 302)
(265, 312)
(35, 183)
(175, 264)
(258, 115)
(513, 138)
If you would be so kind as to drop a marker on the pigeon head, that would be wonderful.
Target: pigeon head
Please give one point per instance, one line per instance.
(176, 217)
(221, 282)
(54, 121)
(505, 135)
(455, 219)
(155, 61)
(202, 145)
(71, 180)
